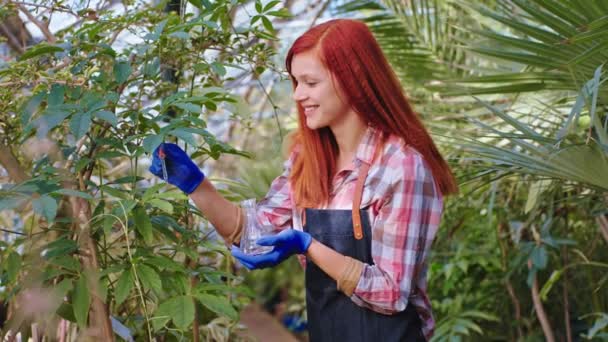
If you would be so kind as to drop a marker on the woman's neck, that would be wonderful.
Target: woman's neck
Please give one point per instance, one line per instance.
(348, 134)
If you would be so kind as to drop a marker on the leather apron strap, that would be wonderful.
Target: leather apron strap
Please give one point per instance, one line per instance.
(363, 171)
(357, 230)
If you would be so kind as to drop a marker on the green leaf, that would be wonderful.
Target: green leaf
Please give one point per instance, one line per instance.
(180, 35)
(45, 206)
(189, 107)
(80, 124)
(56, 95)
(143, 224)
(71, 192)
(66, 262)
(165, 263)
(180, 309)
(282, 13)
(270, 5)
(62, 246)
(124, 284)
(183, 134)
(158, 30)
(40, 49)
(217, 304)
(196, 3)
(49, 119)
(549, 284)
(152, 68)
(107, 116)
(218, 68)
(66, 311)
(149, 278)
(151, 192)
(81, 302)
(162, 205)
(536, 189)
(539, 257)
(13, 264)
(151, 142)
(122, 71)
(267, 24)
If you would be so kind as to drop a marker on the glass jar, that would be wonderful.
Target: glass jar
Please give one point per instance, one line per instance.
(253, 230)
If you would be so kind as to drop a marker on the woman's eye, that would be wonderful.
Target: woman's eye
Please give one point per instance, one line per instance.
(311, 83)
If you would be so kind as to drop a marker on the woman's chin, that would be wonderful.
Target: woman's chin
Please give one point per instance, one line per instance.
(312, 124)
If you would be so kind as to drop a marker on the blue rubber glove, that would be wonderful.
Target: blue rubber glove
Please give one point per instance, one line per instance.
(181, 170)
(286, 244)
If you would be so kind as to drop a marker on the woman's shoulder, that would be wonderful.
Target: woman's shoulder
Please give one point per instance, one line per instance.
(396, 151)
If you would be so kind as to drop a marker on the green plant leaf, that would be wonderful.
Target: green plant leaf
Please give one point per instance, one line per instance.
(217, 304)
(13, 264)
(46, 206)
(123, 286)
(80, 124)
(162, 205)
(549, 284)
(539, 257)
(270, 5)
(143, 224)
(219, 68)
(151, 142)
(107, 116)
(189, 107)
(81, 301)
(49, 119)
(180, 35)
(62, 246)
(122, 71)
(40, 49)
(56, 95)
(180, 309)
(149, 278)
(71, 192)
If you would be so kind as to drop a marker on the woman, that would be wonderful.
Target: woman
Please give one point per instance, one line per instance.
(362, 190)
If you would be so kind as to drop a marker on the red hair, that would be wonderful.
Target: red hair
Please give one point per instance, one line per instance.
(354, 59)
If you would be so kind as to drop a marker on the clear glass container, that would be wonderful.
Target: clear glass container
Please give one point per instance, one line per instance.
(253, 230)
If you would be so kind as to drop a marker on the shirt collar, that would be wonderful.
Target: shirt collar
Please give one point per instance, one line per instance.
(367, 146)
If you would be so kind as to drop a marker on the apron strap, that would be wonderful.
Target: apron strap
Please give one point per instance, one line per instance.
(363, 171)
(357, 229)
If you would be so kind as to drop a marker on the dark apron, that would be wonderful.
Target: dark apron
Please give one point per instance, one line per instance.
(332, 316)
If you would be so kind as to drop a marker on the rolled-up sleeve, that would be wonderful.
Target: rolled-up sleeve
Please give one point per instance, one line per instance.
(402, 234)
(276, 207)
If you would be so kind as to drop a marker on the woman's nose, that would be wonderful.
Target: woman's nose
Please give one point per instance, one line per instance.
(298, 95)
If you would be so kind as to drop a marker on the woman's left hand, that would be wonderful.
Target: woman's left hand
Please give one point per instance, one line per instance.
(286, 243)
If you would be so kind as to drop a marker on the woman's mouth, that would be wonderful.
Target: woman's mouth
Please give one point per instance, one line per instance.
(309, 109)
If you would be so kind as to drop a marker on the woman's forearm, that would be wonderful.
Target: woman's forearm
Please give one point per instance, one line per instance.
(222, 214)
(344, 270)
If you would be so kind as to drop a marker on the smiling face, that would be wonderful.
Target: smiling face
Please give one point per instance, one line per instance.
(316, 92)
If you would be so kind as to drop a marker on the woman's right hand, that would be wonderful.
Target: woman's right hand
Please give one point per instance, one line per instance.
(181, 170)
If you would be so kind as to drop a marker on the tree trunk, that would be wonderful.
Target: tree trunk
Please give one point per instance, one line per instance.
(99, 317)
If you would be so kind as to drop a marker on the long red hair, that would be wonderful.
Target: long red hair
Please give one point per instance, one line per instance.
(353, 57)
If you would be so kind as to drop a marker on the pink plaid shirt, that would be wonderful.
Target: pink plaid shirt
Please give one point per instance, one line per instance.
(404, 211)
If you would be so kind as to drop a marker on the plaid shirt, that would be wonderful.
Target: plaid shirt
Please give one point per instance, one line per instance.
(404, 210)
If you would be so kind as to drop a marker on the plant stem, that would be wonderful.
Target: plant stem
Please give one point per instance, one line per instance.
(540, 310)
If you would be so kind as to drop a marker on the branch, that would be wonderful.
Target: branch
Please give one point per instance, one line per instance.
(12, 41)
(59, 8)
(602, 222)
(44, 28)
(540, 311)
(11, 164)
